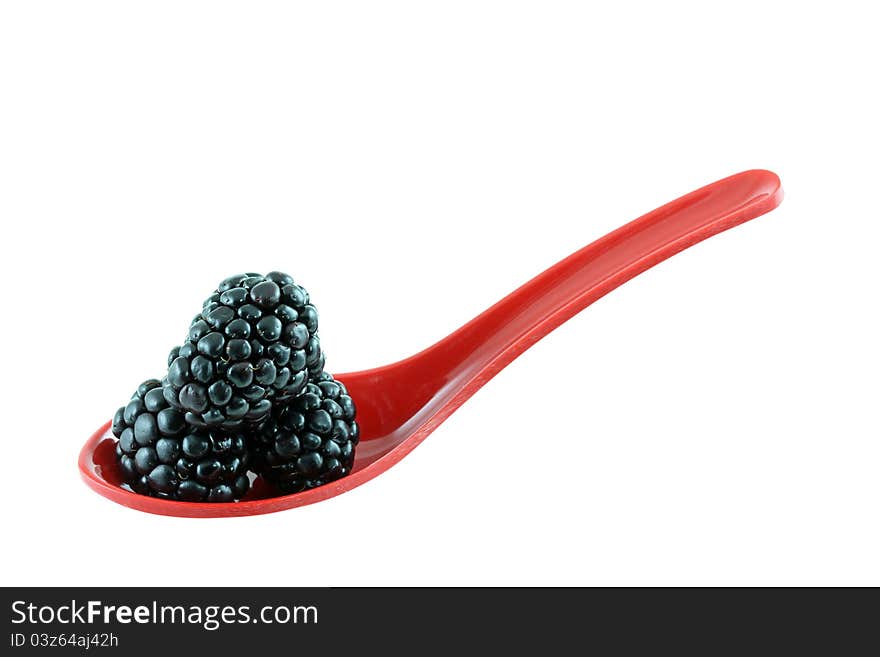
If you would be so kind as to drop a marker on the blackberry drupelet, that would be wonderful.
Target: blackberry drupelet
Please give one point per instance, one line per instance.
(161, 456)
(255, 343)
(310, 441)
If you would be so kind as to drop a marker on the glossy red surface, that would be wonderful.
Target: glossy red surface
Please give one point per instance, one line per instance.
(400, 404)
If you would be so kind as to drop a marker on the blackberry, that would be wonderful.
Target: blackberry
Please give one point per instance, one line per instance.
(310, 441)
(161, 456)
(255, 342)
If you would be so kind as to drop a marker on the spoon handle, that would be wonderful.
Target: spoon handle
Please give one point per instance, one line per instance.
(411, 397)
(490, 341)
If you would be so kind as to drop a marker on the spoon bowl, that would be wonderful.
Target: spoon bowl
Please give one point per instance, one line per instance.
(400, 404)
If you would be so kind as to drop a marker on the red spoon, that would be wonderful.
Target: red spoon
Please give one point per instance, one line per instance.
(400, 404)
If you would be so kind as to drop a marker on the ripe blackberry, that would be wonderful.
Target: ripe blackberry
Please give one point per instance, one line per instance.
(254, 342)
(310, 441)
(161, 456)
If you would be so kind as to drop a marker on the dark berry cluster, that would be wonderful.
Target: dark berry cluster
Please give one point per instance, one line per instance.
(245, 391)
(255, 341)
(161, 455)
(311, 441)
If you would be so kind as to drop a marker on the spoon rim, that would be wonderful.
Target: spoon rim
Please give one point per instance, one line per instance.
(88, 470)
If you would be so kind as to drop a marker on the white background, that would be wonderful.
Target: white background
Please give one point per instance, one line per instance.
(714, 421)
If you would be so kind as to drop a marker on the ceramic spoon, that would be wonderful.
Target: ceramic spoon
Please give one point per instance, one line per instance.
(400, 404)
